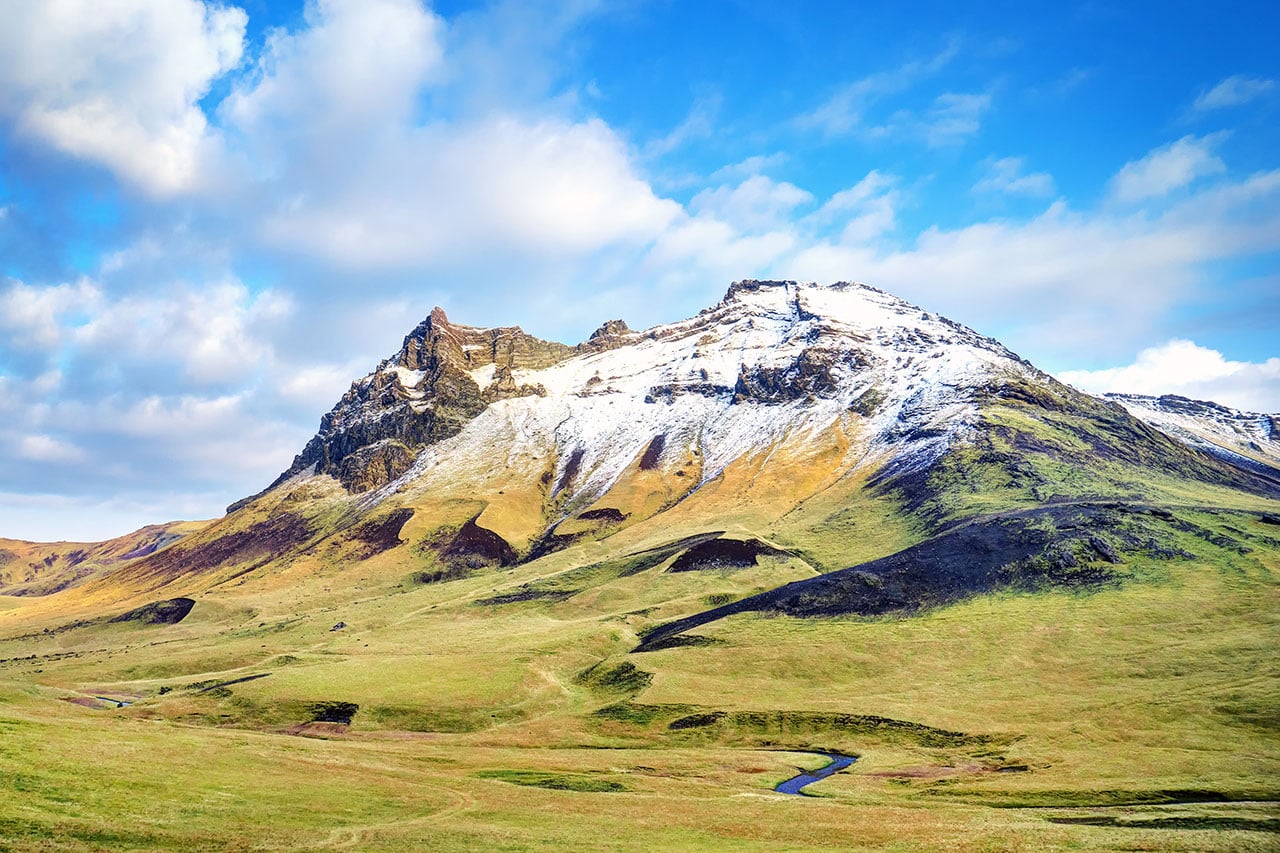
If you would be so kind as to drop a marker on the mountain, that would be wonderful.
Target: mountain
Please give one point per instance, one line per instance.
(1246, 439)
(791, 415)
(798, 413)
(34, 568)
(521, 594)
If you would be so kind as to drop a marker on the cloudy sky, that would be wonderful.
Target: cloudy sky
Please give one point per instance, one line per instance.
(214, 216)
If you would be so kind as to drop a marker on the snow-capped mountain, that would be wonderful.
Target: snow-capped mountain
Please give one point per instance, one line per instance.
(772, 360)
(1247, 439)
(776, 394)
(834, 420)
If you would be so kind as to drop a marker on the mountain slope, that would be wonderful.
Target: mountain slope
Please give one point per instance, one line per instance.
(1249, 440)
(43, 568)
(836, 422)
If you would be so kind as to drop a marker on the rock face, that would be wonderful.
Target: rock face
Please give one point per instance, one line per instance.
(443, 376)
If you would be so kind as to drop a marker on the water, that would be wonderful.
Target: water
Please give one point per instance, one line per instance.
(795, 783)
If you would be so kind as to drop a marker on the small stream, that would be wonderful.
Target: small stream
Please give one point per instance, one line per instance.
(795, 783)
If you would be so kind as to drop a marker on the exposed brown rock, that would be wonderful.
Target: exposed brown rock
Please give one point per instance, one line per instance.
(372, 467)
(384, 420)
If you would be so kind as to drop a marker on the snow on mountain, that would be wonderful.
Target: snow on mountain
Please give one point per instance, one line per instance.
(773, 360)
(1246, 439)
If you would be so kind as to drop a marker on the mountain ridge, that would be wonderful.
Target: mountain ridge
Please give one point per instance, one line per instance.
(551, 443)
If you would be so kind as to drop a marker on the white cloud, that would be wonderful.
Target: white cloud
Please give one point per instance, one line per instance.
(118, 83)
(1033, 283)
(954, 116)
(758, 203)
(863, 212)
(844, 112)
(1006, 175)
(500, 185)
(698, 124)
(356, 66)
(45, 448)
(35, 317)
(347, 165)
(1232, 92)
(756, 164)
(1185, 368)
(1168, 168)
(319, 387)
(215, 332)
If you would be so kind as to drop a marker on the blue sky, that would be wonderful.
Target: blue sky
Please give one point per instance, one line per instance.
(214, 216)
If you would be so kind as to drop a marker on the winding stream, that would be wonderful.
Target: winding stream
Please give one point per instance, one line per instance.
(795, 783)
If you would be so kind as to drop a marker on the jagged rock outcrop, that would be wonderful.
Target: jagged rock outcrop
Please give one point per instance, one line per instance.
(442, 377)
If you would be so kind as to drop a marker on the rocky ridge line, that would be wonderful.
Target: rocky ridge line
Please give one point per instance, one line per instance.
(426, 393)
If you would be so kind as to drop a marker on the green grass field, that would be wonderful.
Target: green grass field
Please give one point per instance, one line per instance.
(1139, 715)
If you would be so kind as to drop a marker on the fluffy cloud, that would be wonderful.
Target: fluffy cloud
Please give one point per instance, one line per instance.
(952, 117)
(756, 204)
(349, 166)
(36, 317)
(1007, 175)
(355, 66)
(1232, 92)
(217, 333)
(441, 194)
(1029, 282)
(118, 83)
(214, 332)
(1185, 368)
(44, 448)
(863, 212)
(1167, 169)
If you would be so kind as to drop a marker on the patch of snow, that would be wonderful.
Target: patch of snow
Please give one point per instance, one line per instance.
(483, 375)
(409, 379)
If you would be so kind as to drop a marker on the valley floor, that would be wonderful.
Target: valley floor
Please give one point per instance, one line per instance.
(1142, 715)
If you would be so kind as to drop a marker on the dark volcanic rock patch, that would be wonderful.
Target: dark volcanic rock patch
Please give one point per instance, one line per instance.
(1051, 546)
(676, 641)
(381, 534)
(527, 594)
(653, 453)
(810, 375)
(667, 393)
(333, 712)
(607, 513)
(723, 554)
(169, 612)
(474, 547)
(571, 468)
(258, 543)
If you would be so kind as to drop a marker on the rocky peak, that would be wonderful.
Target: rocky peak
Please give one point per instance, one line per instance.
(782, 345)
(442, 377)
(611, 329)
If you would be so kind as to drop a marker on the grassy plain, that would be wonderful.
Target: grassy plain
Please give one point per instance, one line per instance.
(333, 699)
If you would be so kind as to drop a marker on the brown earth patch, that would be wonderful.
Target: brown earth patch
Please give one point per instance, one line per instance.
(381, 534)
